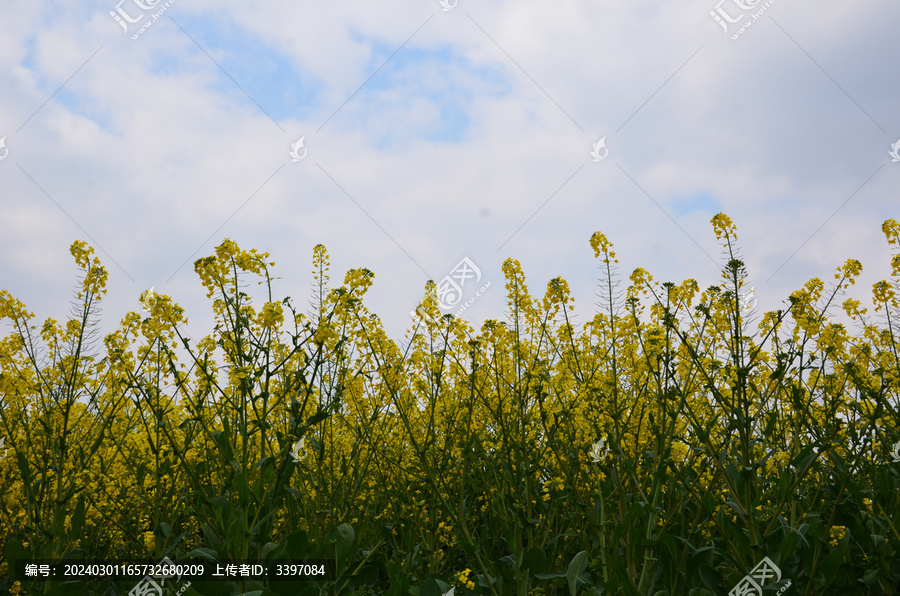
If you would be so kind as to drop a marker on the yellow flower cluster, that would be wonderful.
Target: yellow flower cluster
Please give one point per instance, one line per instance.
(868, 504)
(271, 316)
(679, 389)
(837, 534)
(463, 578)
(553, 484)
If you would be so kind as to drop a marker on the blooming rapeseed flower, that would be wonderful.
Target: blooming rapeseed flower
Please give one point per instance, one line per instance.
(463, 578)
(837, 534)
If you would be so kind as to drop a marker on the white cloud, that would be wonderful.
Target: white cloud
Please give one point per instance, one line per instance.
(151, 148)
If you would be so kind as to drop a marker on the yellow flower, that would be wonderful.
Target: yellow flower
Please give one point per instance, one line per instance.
(883, 293)
(891, 231)
(149, 540)
(463, 578)
(723, 226)
(271, 316)
(601, 245)
(837, 534)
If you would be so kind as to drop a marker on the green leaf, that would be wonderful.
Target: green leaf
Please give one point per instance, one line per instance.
(430, 588)
(399, 585)
(78, 517)
(343, 536)
(297, 545)
(203, 553)
(710, 577)
(870, 577)
(316, 418)
(535, 560)
(234, 533)
(15, 550)
(243, 491)
(212, 538)
(164, 529)
(578, 564)
(223, 443)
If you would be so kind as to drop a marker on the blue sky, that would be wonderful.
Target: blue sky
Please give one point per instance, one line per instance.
(434, 136)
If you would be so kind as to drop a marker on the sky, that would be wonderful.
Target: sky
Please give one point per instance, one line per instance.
(427, 140)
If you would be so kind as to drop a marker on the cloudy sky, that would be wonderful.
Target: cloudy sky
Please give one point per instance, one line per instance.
(436, 132)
